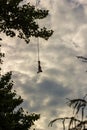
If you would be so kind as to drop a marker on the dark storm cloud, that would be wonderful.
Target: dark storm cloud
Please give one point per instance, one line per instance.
(52, 88)
(40, 96)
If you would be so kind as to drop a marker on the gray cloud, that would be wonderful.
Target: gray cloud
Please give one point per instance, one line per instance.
(63, 74)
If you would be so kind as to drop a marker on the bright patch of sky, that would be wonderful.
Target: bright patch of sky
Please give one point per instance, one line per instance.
(63, 74)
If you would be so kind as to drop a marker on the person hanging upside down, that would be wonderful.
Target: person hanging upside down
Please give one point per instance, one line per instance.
(39, 67)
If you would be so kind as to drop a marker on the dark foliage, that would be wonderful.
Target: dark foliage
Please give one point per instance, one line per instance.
(74, 122)
(22, 18)
(1, 55)
(12, 116)
(84, 59)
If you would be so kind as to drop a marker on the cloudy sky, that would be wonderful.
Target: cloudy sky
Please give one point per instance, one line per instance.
(64, 76)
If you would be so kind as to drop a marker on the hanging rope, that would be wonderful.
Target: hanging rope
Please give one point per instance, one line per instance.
(39, 63)
(38, 47)
(38, 51)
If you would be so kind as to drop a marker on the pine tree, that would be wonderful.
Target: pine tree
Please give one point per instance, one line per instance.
(12, 116)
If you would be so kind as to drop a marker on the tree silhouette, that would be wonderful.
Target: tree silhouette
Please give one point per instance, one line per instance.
(17, 20)
(75, 123)
(1, 56)
(83, 59)
(22, 19)
(12, 116)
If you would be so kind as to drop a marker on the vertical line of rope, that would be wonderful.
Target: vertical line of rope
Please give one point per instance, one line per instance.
(38, 46)
(38, 51)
